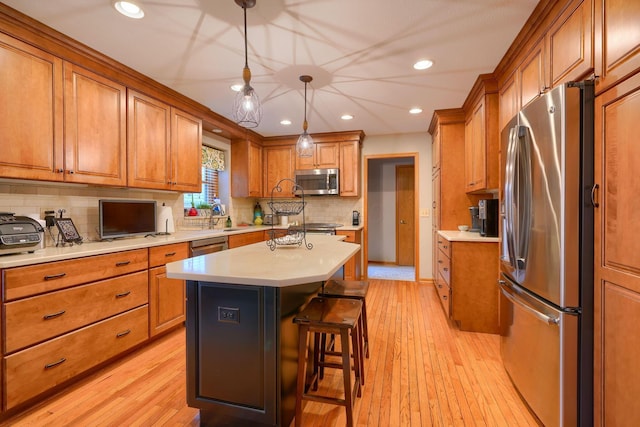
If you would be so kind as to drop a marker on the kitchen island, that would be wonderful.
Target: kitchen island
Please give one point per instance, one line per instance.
(241, 341)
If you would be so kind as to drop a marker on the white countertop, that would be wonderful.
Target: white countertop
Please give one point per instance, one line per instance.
(257, 264)
(60, 253)
(466, 236)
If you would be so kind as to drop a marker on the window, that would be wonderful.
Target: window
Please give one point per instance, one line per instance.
(212, 163)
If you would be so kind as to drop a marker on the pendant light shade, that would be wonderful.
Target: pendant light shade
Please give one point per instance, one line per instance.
(247, 111)
(304, 146)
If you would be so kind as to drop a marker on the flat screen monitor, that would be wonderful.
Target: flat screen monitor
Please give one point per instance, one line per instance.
(126, 218)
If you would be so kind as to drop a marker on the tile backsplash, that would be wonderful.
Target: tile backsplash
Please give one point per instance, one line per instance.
(81, 205)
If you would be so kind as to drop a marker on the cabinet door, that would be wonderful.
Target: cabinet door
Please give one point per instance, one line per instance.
(148, 142)
(353, 266)
(570, 42)
(246, 168)
(31, 123)
(350, 168)
(475, 151)
(617, 265)
(508, 106)
(279, 163)
(532, 75)
(95, 128)
(167, 301)
(237, 240)
(186, 153)
(325, 156)
(435, 150)
(617, 41)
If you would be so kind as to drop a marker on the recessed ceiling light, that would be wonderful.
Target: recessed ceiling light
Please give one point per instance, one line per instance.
(423, 64)
(216, 130)
(285, 122)
(129, 8)
(237, 87)
(415, 110)
(346, 117)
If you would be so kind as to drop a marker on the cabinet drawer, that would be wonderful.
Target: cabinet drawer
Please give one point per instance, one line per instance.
(444, 245)
(32, 320)
(444, 293)
(444, 267)
(39, 368)
(22, 282)
(237, 240)
(160, 255)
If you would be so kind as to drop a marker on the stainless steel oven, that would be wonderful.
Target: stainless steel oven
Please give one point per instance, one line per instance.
(209, 245)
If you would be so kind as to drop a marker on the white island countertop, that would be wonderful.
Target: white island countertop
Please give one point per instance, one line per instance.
(258, 265)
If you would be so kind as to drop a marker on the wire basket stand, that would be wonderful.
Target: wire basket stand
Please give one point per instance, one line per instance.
(280, 237)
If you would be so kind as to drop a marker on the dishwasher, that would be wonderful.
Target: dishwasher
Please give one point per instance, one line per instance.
(209, 245)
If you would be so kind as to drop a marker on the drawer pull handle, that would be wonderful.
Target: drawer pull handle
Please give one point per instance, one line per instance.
(54, 364)
(445, 269)
(54, 315)
(445, 246)
(439, 286)
(54, 276)
(444, 297)
(170, 254)
(123, 294)
(122, 263)
(123, 333)
(439, 261)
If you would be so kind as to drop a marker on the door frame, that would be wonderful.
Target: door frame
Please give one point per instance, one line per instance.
(365, 214)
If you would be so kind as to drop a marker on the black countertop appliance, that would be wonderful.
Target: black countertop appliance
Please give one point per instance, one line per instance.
(488, 215)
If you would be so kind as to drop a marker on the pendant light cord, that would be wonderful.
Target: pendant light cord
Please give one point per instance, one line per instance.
(246, 60)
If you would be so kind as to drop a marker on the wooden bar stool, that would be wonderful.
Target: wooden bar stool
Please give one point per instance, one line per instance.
(341, 317)
(355, 289)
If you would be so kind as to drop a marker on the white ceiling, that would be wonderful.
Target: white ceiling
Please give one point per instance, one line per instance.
(359, 52)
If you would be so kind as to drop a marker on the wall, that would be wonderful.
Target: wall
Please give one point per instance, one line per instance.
(420, 143)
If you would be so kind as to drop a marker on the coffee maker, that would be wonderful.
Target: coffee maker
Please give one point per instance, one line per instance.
(475, 221)
(355, 218)
(488, 215)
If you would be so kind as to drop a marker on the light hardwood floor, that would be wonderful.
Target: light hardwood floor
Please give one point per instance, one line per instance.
(422, 372)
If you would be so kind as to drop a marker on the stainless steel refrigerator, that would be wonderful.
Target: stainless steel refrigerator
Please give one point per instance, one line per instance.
(546, 283)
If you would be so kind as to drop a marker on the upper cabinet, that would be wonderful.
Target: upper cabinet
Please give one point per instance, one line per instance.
(246, 168)
(569, 43)
(59, 122)
(163, 146)
(326, 155)
(532, 79)
(95, 137)
(350, 167)
(278, 163)
(617, 41)
(481, 140)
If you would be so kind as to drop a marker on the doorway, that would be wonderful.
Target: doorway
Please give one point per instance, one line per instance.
(390, 215)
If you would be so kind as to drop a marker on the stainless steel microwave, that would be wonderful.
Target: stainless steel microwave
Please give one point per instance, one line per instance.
(318, 181)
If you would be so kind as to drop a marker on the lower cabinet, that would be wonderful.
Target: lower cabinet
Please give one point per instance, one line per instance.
(353, 267)
(466, 282)
(34, 370)
(167, 305)
(237, 240)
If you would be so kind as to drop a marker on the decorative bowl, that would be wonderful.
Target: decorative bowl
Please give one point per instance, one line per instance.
(463, 227)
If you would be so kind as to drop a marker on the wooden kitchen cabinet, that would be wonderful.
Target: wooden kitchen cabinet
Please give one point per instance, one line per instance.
(167, 305)
(508, 102)
(532, 78)
(353, 267)
(237, 240)
(482, 139)
(617, 55)
(616, 261)
(63, 318)
(31, 101)
(163, 145)
(570, 44)
(246, 168)
(279, 162)
(95, 128)
(466, 283)
(350, 168)
(326, 155)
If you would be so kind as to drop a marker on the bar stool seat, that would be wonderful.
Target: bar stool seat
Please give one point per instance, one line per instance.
(355, 289)
(339, 316)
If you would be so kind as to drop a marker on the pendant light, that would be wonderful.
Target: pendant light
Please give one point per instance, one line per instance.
(247, 111)
(304, 146)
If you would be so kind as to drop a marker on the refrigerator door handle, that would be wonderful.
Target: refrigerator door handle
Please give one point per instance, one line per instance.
(509, 203)
(522, 187)
(512, 296)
